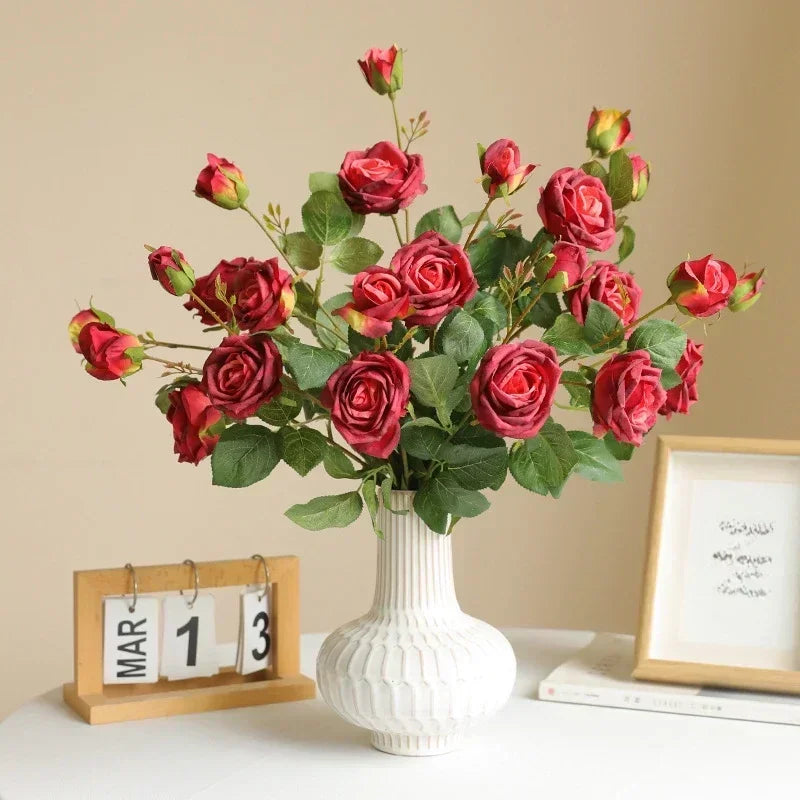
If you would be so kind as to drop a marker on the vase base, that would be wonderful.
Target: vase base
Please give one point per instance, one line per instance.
(401, 744)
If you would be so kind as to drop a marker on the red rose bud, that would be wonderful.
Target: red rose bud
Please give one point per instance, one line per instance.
(680, 397)
(367, 397)
(627, 396)
(702, 287)
(576, 207)
(110, 353)
(195, 423)
(438, 276)
(607, 283)
(241, 374)
(747, 291)
(608, 130)
(641, 176)
(168, 266)
(381, 179)
(513, 390)
(77, 323)
(383, 69)
(501, 168)
(379, 297)
(222, 182)
(570, 259)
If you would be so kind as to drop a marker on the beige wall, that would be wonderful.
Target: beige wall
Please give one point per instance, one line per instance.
(108, 110)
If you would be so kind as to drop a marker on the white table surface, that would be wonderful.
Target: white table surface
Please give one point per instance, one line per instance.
(531, 749)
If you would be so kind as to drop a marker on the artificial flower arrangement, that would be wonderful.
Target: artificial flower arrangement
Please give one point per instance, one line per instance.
(419, 378)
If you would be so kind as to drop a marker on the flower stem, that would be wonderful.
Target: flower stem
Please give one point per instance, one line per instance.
(202, 303)
(270, 237)
(310, 320)
(478, 222)
(516, 328)
(406, 472)
(408, 225)
(649, 314)
(396, 120)
(179, 365)
(146, 340)
(397, 230)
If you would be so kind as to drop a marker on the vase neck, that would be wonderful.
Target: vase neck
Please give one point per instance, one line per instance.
(415, 565)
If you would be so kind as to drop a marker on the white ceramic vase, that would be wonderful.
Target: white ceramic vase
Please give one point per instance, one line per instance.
(415, 670)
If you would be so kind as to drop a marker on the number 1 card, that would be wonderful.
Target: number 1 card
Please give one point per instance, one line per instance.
(189, 644)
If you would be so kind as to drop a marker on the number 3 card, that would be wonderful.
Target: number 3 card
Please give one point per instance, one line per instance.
(189, 645)
(255, 640)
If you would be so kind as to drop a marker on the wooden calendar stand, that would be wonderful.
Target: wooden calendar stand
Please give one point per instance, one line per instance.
(97, 702)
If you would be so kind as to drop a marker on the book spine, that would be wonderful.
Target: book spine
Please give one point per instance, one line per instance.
(695, 705)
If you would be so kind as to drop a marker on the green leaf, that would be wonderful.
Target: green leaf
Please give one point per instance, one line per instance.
(664, 340)
(622, 451)
(602, 328)
(357, 225)
(301, 250)
(329, 511)
(356, 254)
(325, 322)
(544, 314)
(282, 409)
(323, 182)
(478, 436)
(579, 390)
(476, 467)
(305, 301)
(460, 336)
(326, 218)
(303, 448)
(626, 243)
(543, 463)
(439, 497)
(670, 378)
(244, 455)
(595, 460)
(386, 491)
(423, 438)
(432, 379)
(443, 220)
(597, 170)
(620, 179)
(337, 464)
(359, 343)
(566, 335)
(486, 308)
(369, 491)
(490, 253)
(312, 366)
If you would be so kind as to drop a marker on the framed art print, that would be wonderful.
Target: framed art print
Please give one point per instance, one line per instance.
(721, 598)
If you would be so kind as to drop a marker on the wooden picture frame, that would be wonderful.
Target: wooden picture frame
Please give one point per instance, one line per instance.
(97, 702)
(686, 466)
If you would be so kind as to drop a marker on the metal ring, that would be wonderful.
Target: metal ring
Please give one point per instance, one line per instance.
(260, 558)
(190, 563)
(132, 607)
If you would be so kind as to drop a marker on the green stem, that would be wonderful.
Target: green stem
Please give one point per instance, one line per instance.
(183, 367)
(406, 472)
(202, 303)
(316, 323)
(269, 236)
(396, 120)
(649, 314)
(408, 225)
(518, 326)
(172, 345)
(397, 230)
(478, 222)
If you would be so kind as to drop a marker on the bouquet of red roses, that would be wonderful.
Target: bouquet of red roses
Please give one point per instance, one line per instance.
(418, 378)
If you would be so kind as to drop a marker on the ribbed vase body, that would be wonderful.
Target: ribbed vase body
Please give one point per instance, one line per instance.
(415, 670)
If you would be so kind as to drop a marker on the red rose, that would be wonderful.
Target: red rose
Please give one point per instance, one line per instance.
(241, 374)
(438, 276)
(367, 397)
(110, 354)
(605, 282)
(512, 392)
(571, 259)
(379, 296)
(680, 397)
(383, 69)
(500, 165)
(381, 180)
(168, 266)
(192, 417)
(222, 182)
(576, 207)
(701, 288)
(77, 323)
(627, 396)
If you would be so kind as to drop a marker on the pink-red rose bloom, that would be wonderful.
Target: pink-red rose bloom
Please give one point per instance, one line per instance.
(576, 207)
(383, 69)
(605, 282)
(367, 398)
(627, 396)
(241, 374)
(381, 179)
(513, 390)
(222, 183)
(379, 297)
(500, 165)
(168, 266)
(571, 259)
(264, 294)
(702, 287)
(438, 276)
(104, 348)
(680, 397)
(192, 415)
(76, 325)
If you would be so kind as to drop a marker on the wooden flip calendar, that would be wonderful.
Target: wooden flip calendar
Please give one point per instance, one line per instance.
(97, 702)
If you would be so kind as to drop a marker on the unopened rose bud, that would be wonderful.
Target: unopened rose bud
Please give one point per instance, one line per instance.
(110, 353)
(747, 291)
(501, 167)
(383, 69)
(77, 323)
(702, 287)
(641, 177)
(222, 183)
(169, 267)
(608, 130)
